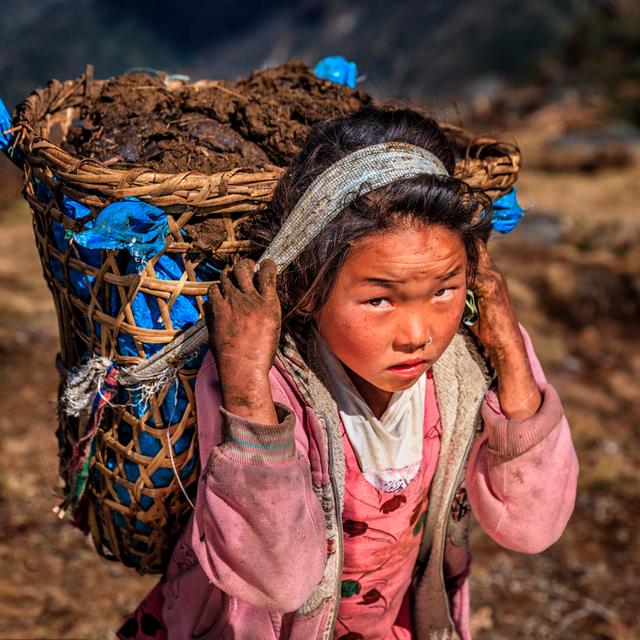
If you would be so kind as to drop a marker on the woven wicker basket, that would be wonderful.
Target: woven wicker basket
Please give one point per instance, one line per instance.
(145, 462)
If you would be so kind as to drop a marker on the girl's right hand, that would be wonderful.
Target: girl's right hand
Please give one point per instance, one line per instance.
(243, 316)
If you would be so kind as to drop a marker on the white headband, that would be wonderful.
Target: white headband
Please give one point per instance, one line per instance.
(335, 188)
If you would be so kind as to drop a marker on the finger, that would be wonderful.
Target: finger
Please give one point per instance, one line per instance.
(216, 300)
(487, 273)
(484, 259)
(215, 296)
(206, 311)
(213, 300)
(482, 246)
(266, 277)
(486, 287)
(226, 286)
(243, 272)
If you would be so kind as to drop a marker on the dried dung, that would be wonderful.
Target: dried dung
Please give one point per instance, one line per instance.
(136, 121)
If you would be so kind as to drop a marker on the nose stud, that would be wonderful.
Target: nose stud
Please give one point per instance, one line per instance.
(428, 342)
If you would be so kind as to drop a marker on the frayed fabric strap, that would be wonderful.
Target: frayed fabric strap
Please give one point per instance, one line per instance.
(355, 175)
(81, 385)
(82, 453)
(335, 188)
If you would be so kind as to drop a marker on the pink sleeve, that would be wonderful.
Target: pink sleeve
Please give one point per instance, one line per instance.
(258, 528)
(522, 474)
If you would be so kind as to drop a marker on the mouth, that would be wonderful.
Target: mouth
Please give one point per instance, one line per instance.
(410, 367)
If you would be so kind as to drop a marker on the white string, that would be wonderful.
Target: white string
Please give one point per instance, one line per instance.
(173, 462)
(175, 473)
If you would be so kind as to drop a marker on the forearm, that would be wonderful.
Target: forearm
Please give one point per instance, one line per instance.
(258, 527)
(498, 330)
(518, 391)
(247, 394)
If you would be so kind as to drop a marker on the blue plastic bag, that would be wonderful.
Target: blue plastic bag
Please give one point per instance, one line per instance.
(146, 310)
(506, 212)
(7, 140)
(337, 69)
(79, 281)
(130, 224)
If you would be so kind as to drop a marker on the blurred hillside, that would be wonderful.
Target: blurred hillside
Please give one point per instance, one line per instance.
(601, 55)
(423, 50)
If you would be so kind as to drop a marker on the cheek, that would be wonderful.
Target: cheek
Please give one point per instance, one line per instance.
(455, 312)
(449, 319)
(350, 332)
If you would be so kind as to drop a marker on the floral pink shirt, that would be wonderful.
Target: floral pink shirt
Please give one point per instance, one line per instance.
(382, 534)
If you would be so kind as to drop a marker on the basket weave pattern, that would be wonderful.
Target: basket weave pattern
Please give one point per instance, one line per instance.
(136, 506)
(146, 458)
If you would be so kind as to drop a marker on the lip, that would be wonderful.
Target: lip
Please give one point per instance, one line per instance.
(409, 363)
(410, 368)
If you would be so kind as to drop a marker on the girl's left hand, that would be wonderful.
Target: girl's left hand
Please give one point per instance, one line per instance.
(498, 330)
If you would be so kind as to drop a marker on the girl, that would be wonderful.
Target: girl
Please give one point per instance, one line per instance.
(348, 422)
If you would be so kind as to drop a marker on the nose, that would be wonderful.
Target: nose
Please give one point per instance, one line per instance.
(413, 331)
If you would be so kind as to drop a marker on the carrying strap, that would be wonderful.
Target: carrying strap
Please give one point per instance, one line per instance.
(354, 175)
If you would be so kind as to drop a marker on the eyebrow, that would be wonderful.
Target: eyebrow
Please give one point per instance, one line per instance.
(390, 284)
(451, 274)
(382, 282)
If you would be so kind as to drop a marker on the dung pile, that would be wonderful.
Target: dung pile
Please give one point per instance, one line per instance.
(135, 120)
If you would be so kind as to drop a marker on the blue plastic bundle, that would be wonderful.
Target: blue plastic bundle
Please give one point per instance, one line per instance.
(79, 281)
(7, 140)
(507, 212)
(133, 225)
(137, 231)
(337, 69)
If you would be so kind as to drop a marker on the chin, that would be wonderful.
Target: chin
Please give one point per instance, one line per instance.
(398, 385)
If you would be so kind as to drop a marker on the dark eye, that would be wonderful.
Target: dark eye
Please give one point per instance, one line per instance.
(377, 302)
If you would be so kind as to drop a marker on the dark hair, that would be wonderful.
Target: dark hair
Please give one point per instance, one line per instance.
(305, 284)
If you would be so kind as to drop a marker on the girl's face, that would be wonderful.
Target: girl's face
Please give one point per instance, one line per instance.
(394, 292)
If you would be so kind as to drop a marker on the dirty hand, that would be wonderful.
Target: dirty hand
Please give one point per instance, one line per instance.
(498, 330)
(243, 316)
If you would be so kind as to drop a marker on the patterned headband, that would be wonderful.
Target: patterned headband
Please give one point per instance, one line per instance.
(335, 188)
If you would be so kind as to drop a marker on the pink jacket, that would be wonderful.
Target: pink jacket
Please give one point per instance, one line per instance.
(260, 558)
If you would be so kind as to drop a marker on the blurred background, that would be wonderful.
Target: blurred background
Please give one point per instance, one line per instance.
(559, 77)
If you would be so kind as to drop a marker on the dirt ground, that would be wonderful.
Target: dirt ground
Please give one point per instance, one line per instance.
(573, 271)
